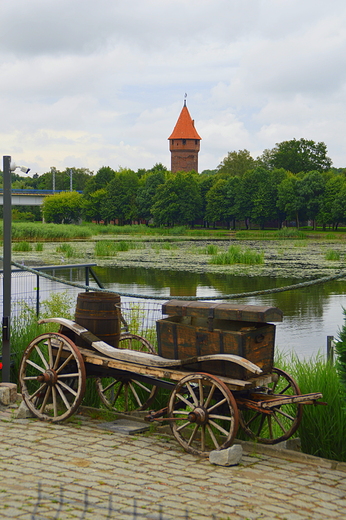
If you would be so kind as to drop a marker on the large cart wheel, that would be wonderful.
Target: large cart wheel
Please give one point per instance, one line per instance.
(123, 394)
(52, 377)
(203, 413)
(284, 420)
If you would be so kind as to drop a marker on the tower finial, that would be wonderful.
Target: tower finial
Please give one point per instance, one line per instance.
(185, 99)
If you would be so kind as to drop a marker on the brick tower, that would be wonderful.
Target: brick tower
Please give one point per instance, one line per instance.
(184, 143)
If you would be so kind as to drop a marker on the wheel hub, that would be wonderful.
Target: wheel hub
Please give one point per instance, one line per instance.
(49, 377)
(199, 416)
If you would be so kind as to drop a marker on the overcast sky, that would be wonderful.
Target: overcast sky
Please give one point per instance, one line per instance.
(101, 83)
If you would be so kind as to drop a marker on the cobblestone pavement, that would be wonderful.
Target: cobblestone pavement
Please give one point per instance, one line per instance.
(47, 469)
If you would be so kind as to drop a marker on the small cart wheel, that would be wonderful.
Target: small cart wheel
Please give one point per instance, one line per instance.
(52, 377)
(203, 413)
(124, 394)
(284, 420)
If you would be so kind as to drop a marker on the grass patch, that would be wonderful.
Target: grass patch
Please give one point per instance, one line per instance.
(287, 233)
(332, 255)
(67, 250)
(22, 246)
(48, 232)
(210, 249)
(323, 428)
(110, 248)
(235, 255)
(39, 246)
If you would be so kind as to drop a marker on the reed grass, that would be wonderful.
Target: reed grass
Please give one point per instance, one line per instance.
(323, 428)
(22, 246)
(48, 232)
(332, 255)
(39, 246)
(210, 249)
(110, 248)
(235, 255)
(67, 250)
(286, 233)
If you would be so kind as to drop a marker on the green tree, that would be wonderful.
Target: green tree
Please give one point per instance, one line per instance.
(147, 190)
(178, 201)
(290, 200)
(333, 207)
(298, 156)
(312, 190)
(62, 208)
(93, 205)
(99, 181)
(120, 203)
(80, 177)
(236, 164)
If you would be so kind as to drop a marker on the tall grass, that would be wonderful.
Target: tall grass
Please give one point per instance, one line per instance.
(22, 246)
(110, 248)
(235, 255)
(210, 249)
(286, 233)
(323, 428)
(49, 232)
(332, 255)
(67, 250)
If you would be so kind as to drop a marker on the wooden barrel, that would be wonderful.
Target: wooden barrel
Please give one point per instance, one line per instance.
(100, 313)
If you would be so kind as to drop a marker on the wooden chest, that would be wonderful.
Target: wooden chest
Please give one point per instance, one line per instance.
(202, 328)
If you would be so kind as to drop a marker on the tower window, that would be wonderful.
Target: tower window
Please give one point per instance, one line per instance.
(184, 141)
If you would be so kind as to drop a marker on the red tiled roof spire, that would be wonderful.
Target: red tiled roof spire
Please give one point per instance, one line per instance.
(185, 126)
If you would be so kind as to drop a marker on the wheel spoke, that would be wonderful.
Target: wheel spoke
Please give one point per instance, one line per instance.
(108, 387)
(210, 395)
(182, 426)
(31, 397)
(211, 433)
(218, 427)
(277, 420)
(40, 369)
(193, 395)
(285, 389)
(43, 359)
(117, 394)
(180, 412)
(216, 405)
(221, 417)
(135, 393)
(67, 387)
(184, 400)
(57, 358)
(63, 397)
(261, 424)
(200, 388)
(66, 362)
(55, 404)
(66, 376)
(48, 392)
(50, 353)
(284, 414)
(193, 434)
(143, 387)
(203, 437)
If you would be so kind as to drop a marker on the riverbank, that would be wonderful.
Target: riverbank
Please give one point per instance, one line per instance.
(301, 259)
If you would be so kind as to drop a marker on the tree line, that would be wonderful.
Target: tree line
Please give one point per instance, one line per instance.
(294, 181)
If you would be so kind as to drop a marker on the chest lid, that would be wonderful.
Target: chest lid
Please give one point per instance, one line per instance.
(222, 311)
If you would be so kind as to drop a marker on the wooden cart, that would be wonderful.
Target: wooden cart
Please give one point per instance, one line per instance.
(215, 363)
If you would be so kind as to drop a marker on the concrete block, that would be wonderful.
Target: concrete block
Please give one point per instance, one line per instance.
(23, 412)
(8, 393)
(228, 457)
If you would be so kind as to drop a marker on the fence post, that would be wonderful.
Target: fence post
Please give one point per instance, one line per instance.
(330, 349)
(37, 295)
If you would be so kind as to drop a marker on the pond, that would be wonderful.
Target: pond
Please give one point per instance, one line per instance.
(310, 314)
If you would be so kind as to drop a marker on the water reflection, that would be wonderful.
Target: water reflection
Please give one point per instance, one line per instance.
(310, 314)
